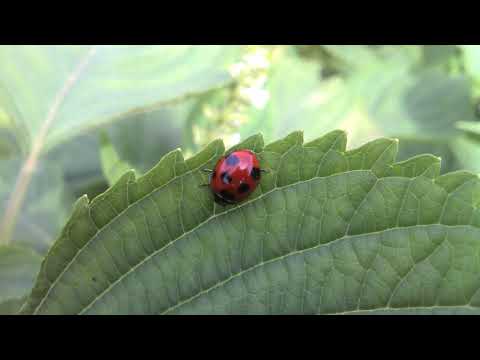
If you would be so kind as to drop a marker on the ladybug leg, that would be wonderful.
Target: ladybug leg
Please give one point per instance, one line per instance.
(264, 171)
(221, 201)
(209, 177)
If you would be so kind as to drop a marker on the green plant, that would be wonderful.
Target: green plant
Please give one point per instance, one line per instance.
(327, 231)
(75, 119)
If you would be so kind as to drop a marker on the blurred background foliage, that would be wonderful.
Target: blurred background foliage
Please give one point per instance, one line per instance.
(129, 105)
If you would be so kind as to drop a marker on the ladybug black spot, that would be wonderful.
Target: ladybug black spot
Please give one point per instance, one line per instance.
(255, 174)
(226, 179)
(232, 160)
(243, 188)
(227, 195)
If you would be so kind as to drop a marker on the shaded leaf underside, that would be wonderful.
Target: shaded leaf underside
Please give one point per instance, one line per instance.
(34, 75)
(327, 231)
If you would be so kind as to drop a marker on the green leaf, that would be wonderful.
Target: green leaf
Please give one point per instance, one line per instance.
(368, 57)
(413, 106)
(110, 81)
(471, 128)
(417, 105)
(298, 99)
(444, 150)
(18, 268)
(438, 55)
(356, 56)
(160, 131)
(327, 231)
(386, 93)
(467, 147)
(13, 128)
(113, 167)
(471, 55)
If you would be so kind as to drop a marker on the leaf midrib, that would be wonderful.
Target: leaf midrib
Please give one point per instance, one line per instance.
(393, 310)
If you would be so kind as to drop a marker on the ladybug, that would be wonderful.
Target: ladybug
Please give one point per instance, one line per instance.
(235, 177)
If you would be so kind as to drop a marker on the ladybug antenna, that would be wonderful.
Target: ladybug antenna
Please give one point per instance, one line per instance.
(207, 170)
(265, 171)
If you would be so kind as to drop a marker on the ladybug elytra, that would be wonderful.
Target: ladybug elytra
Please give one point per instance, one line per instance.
(235, 177)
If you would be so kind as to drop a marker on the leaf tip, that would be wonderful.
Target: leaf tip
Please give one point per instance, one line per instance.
(83, 200)
(131, 174)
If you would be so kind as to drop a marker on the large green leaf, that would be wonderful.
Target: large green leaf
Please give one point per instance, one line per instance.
(112, 81)
(327, 231)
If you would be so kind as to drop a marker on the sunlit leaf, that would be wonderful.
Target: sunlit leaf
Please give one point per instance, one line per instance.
(114, 80)
(472, 60)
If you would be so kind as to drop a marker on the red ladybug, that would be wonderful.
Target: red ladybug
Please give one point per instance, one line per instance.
(235, 177)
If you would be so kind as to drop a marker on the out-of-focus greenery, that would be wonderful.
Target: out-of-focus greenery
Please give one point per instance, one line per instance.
(135, 103)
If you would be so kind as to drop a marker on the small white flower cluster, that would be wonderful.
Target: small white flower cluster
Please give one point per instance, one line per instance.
(252, 73)
(247, 91)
